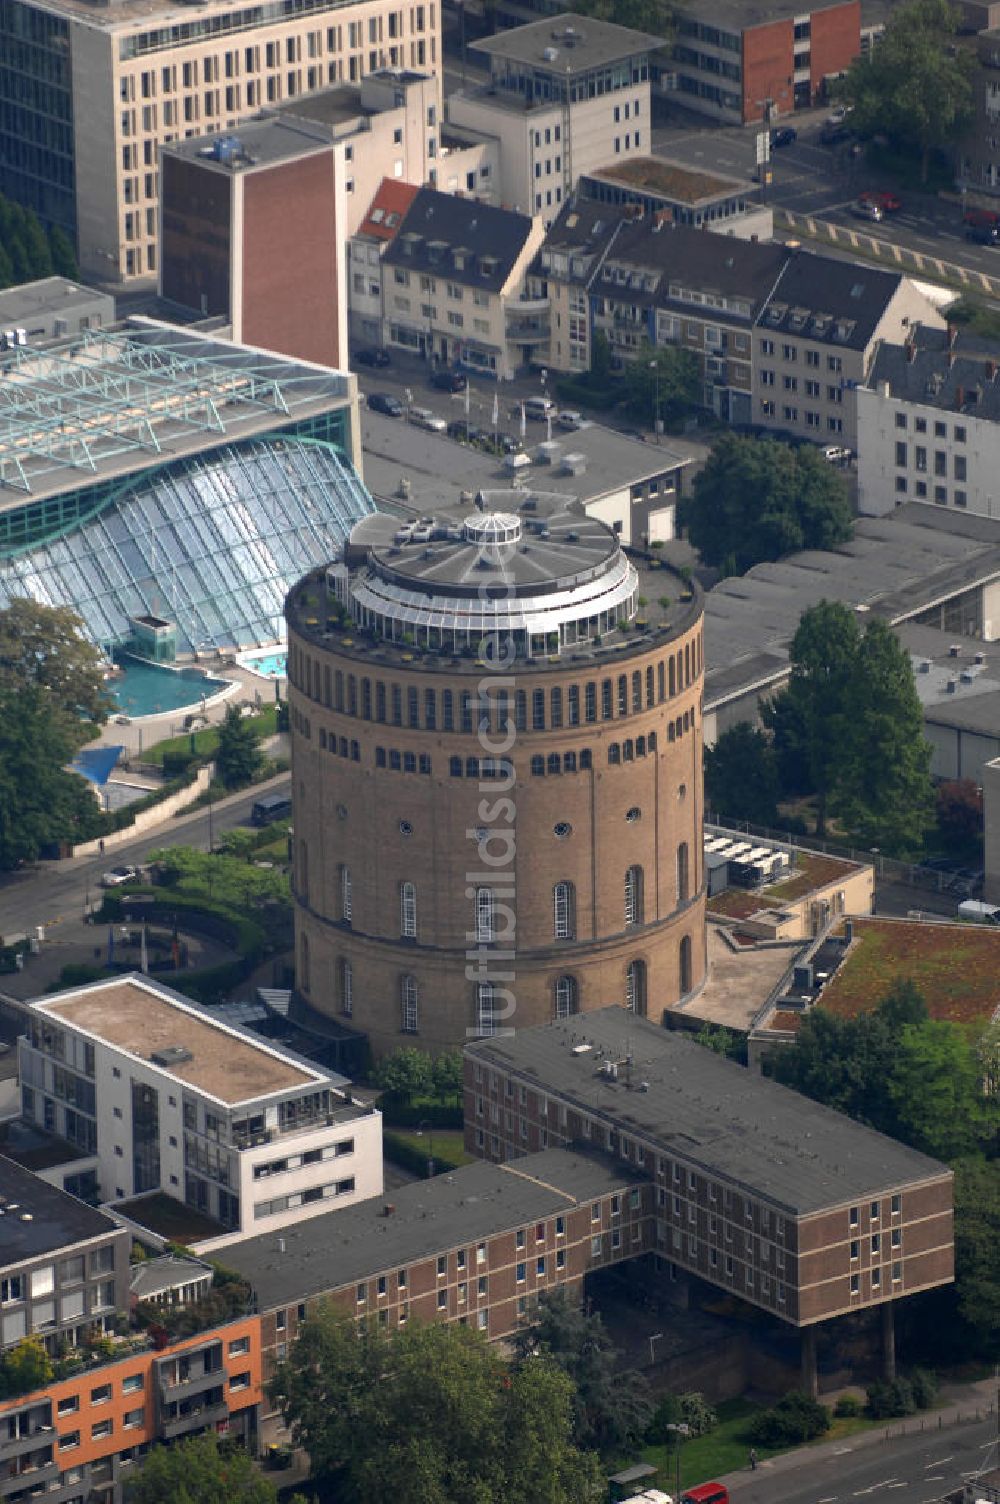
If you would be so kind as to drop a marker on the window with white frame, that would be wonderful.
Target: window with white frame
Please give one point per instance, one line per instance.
(485, 1008)
(408, 911)
(562, 902)
(345, 894)
(484, 916)
(633, 896)
(565, 996)
(409, 1002)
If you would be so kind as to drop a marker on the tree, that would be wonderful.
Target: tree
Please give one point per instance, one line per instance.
(960, 811)
(884, 790)
(654, 16)
(935, 1087)
(977, 1238)
(849, 729)
(794, 1419)
(612, 1408)
(40, 802)
(741, 775)
(26, 1367)
(756, 500)
(63, 255)
(662, 382)
(406, 1073)
(199, 1471)
(429, 1415)
(915, 86)
(448, 1075)
(43, 647)
(239, 758)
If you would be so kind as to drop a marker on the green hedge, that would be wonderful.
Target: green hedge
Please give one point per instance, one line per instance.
(408, 1158)
(162, 904)
(405, 1115)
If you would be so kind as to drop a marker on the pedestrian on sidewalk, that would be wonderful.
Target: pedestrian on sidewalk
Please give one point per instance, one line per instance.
(753, 1460)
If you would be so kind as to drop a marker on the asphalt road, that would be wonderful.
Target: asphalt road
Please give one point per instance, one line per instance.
(51, 891)
(813, 179)
(919, 1468)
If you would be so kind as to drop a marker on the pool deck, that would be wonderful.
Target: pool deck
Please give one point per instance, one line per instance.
(147, 729)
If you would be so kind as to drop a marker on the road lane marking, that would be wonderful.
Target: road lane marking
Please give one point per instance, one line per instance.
(942, 1460)
(842, 1451)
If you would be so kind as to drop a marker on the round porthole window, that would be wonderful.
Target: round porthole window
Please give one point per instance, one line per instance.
(562, 829)
(633, 814)
(405, 828)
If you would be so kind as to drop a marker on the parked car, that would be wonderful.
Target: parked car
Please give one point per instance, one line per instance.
(378, 358)
(839, 114)
(837, 454)
(539, 408)
(889, 203)
(385, 402)
(464, 431)
(424, 418)
(834, 132)
(449, 381)
(569, 419)
(119, 875)
(982, 226)
(783, 135)
(863, 209)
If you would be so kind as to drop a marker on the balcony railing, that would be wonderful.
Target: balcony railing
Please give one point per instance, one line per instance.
(16, 1446)
(30, 1477)
(193, 1420)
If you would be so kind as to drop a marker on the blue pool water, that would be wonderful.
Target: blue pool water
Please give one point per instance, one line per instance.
(147, 689)
(273, 665)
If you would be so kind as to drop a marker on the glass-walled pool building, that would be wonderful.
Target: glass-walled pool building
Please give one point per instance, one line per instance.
(153, 471)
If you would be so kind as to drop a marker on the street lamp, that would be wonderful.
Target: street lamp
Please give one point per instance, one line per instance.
(681, 1431)
(430, 1140)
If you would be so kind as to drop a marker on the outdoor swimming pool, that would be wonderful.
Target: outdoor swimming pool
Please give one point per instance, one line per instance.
(271, 663)
(150, 689)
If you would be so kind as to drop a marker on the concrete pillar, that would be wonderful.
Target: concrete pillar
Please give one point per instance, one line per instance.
(810, 1382)
(888, 1342)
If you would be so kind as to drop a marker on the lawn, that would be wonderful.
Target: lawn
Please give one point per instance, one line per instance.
(727, 1448)
(206, 741)
(956, 967)
(446, 1141)
(737, 903)
(811, 871)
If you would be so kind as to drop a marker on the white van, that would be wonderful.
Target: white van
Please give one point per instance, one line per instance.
(979, 912)
(516, 461)
(539, 408)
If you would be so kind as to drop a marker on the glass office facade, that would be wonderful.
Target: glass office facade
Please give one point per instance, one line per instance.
(37, 164)
(212, 542)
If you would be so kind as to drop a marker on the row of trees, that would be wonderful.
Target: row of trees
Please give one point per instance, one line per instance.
(847, 732)
(27, 251)
(932, 1085)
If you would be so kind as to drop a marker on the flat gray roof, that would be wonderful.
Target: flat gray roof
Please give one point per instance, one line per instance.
(741, 15)
(47, 296)
(897, 565)
(578, 42)
(973, 703)
(37, 1218)
(256, 143)
(430, 1216)
(733, 1123)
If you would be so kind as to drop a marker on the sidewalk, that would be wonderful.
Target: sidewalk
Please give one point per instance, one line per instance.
(961, 1402)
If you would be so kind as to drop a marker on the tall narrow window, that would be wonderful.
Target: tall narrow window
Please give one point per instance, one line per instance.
(685, 965)
(346, 988)
(408, 911)
(633, 896)
(409, 1005)
(485, 1008)
(303, 871)
(562, 902)
(565, 996)
(304, 978)
(682, 872)
(623, 694)
(345, 894)
(484, 916)
(635, 987)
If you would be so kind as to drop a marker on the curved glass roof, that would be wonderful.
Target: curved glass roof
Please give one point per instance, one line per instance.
(212, 542)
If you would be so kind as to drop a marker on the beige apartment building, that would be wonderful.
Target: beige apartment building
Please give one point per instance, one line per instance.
(99, 91)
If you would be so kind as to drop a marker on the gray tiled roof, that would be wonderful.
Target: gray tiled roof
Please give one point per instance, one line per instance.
(438, 226)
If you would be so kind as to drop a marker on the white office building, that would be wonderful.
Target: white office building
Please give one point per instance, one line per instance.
(161, 1098)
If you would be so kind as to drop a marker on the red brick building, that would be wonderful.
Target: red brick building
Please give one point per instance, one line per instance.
(745, 62)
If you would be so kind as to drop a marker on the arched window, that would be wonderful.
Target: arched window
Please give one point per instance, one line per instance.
(606, 711)
(661, 681)
(346, 988)
(352, 695)
(633, 896)
(640, 746)
(409, 1005)
(687, 664)
(485, 916)
(366, 699)
(538, 710)
(650, 691)
(430, 710)
(569, 762)
(651, 741)
(326, 686)
(447, 710)
(345, 894)
(303, 871)
(538, 766)
(380, 701)
(555, 762)
(614, 753)
(520, 711)
(672, 676)
(682, 873)
(637, 690)
(304, 967)
(573, 705)
(466, 711)
(408, 911)
(590, 701)
(455, 767)
(564, 905)
(338, 690)
(485, 1008)
(565, 990)
(635, 987)
(397, 705)
(556, 707)
(685, 965)
(623, 694)
(472, 767)
(585, 760)
(628, 751)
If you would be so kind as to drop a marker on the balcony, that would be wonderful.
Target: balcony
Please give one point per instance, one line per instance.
(17, 1446)
(42, 1475)
(194, 1419)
